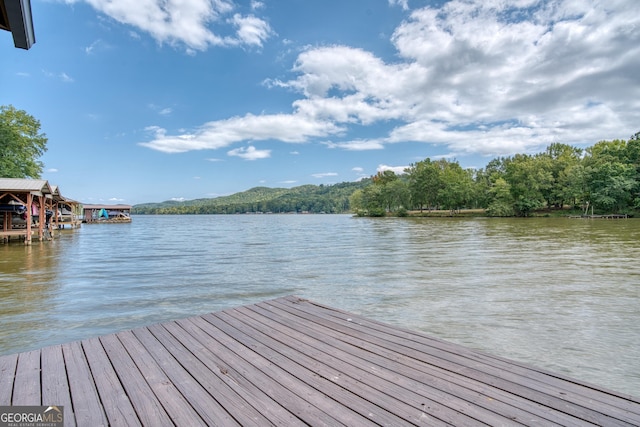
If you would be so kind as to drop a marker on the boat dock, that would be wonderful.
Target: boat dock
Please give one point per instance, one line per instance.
(32, 208)
(291, 361)
(610, 216)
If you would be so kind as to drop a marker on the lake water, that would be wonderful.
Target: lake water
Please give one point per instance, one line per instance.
(562, 294)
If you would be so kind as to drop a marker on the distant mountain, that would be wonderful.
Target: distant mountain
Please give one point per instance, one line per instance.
(305, 198)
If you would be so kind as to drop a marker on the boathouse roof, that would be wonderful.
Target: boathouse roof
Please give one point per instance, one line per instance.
(15, 16)
(108, 207)
(58, 197)
(38, 187)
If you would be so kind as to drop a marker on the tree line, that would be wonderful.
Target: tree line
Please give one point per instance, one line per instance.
(301, 199)
(604, 177)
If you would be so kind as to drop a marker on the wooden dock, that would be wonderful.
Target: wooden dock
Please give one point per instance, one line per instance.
(294, 362)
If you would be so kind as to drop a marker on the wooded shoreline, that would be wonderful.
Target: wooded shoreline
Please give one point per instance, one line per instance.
(603, 179)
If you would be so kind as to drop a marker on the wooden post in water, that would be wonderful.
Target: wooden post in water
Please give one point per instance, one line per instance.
(42, 217)
(27, 238)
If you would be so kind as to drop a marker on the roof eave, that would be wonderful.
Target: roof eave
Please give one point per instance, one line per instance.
(20, 22)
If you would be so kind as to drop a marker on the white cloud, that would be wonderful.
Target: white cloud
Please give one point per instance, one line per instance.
(92, 47)
(251, 30)
(219, 134)
(163, 111)
(398, 170)
(66, 78)
(291, 181)
(62, 76)
(358, 145)
(324, 175)
(194, 24)
(475, 77)
(52, 170)
(250, 153)
(359, 172)
(404, 4)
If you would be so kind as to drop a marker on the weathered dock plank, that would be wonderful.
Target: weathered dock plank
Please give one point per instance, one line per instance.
(324, 362)
(406, 383)
(147, 407)
(27, 375)
(359, 412)
(196, 396)
(561, 393)
(8, 366)
(583, 401)
(174, 402)
(88, 409)
(55, 384)
(293, 391)
(293, 362)
(223, 381)
(209, 390)
(115, 402)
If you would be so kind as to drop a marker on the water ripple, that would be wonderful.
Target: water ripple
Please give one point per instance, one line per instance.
(557, 293)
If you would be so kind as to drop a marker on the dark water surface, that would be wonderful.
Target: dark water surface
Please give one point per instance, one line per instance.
(562, 294)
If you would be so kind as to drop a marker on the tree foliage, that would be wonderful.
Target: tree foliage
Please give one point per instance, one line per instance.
(21, 144)
(501, 200)
(605, 176)
(306, 198)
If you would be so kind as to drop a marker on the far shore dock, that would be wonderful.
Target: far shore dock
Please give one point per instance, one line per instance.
(291, 361)
(106, 214)
(609, 216)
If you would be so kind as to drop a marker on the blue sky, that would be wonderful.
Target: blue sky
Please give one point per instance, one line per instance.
(152, 100)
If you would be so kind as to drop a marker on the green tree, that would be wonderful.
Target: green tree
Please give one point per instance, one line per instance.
(456, 186)
(610, 176)
(397, 193)
(384, 180)
(560, 161)
(481, 189)
(502, 200)
(394, 192)
(633, 149)
(356, 201)
(373, 200)
(529, 180)
(21, 144)
(425, 182)
(611, 185)
(633, 156)
(573, 185)
(417, 184)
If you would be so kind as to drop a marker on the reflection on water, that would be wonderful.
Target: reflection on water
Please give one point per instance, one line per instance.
(561, 293)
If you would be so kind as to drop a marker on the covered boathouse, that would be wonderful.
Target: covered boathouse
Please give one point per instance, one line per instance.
(106, 213)
(32, 207)
(293, 362)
